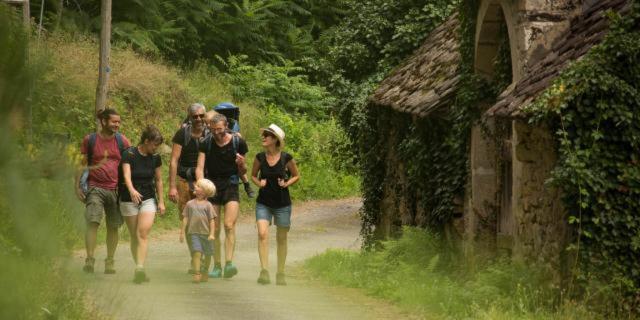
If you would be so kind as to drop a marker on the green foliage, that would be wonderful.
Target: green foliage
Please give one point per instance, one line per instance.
(322, 154)
(279, 85)
(594, 107)
(378, 34)
(38, 223)
(434, 150)
(411, 272)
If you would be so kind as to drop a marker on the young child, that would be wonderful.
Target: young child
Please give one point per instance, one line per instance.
(198, 215)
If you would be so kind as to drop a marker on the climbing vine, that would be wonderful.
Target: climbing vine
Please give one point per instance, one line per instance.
(594, 106)
(435, 150)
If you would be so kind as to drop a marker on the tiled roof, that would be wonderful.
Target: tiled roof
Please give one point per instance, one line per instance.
(586, 30)
(428, 79)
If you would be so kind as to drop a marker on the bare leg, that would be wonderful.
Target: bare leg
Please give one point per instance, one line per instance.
(90, 238)
(132, 226)
(112, 241)
(217, 255)
(230, 217)
(263, 243)
(207, 262)
(281, 238)
(145, 221)
(195, 261)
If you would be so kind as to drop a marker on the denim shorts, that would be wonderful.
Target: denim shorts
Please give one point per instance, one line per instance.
(201, 243)
(281, 216)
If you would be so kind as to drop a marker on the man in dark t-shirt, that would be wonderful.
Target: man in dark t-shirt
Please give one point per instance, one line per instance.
(184, 158)
(222, 156)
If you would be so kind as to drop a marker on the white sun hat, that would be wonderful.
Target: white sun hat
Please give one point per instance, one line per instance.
(277, 131)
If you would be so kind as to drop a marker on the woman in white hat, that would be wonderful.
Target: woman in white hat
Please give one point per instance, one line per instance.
(273, 171)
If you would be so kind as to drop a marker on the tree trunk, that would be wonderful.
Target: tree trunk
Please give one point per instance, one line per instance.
(26, 14)
(105, 51)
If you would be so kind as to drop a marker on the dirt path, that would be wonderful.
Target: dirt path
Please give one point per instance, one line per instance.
(316, 226)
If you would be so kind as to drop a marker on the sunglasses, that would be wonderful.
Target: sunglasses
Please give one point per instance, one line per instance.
(268, 134)
(198, 116)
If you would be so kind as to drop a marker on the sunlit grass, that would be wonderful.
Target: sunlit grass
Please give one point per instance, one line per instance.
(421, 275)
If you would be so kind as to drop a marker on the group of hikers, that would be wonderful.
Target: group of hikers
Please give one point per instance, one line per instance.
(124, 183)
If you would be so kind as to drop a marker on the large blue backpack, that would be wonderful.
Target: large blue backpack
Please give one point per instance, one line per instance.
(232, 112)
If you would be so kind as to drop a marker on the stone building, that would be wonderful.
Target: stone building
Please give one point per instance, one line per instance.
(506, 203)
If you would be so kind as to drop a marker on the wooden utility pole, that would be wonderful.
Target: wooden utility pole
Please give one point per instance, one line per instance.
(105, 52)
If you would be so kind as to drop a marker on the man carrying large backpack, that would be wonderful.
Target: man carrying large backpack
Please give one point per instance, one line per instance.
(99, 189)
(184, 158)
(222, 155)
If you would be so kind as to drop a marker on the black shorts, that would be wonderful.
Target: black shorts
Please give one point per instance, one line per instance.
(230, 193)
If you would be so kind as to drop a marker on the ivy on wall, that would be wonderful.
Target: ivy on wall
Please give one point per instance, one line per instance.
(435, 151)
(594, 107)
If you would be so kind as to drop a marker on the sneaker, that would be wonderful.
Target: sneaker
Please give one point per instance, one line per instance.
(204, 277)
(280, 279)
(249, 190)
(197, 277)
(139, 276)
(264, 277)
(109, 266)
(230, 270)
(88, 264)
(216, 272)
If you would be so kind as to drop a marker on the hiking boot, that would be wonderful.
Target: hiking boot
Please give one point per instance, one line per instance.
(280, 279)
(197, 277)
(204, 277)
(216, 272)
(139, 276)
(230, 270)
(109, 264)
(88, 264)
(264, 277)
(249, 190)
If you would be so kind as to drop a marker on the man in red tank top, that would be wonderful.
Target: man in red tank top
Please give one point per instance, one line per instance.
(104, 150)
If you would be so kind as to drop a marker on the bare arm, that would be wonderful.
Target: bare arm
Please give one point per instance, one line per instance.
(212, 228)
(295, 174)
(136, 197)
(200, 167)
(160, 190)
(176, 151)
(183, 228)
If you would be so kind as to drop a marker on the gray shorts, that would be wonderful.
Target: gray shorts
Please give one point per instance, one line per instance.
(101, 202)
(129, 209)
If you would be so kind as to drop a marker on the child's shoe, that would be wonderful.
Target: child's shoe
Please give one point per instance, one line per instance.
(204, 277)
(109, 266)
(249, 190)
(197, 277)
(88, 264)
(216, 272)
(230, 270)
(264, 277)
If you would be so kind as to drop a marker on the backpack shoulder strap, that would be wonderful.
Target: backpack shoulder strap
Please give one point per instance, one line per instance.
(187, 135)
(90, 145)
(235, 141)
(283, 160)
(120, 142)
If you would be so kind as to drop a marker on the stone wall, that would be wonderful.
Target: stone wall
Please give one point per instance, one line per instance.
(541, 224)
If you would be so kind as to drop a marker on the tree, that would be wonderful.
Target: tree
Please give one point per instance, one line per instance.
(105, 52)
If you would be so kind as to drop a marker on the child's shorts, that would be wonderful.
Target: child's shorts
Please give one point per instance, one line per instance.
(201, 243)
(281, 216)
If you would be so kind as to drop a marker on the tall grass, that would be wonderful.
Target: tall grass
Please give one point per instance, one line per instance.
(38, 218)
(420, 274)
